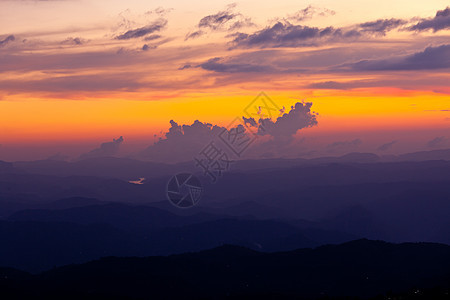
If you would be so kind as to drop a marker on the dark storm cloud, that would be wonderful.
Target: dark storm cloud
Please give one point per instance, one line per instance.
(6, 40)
(440, 21)
(428, 59)
(105, 149)
(387, 146)
(158, 25)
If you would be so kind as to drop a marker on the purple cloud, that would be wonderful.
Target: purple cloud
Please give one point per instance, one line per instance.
(286, 34)
(300, 116)
(158, 25)
(184, 142)
(440, 21)
(225, 20)
(8, 39)
(217, 65)
(381, 26)
(309, 12)
(428, 59)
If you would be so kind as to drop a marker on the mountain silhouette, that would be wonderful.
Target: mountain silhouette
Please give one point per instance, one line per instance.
(360, 268)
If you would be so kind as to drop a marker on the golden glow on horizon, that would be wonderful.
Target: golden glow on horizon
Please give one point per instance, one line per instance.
(41, 119)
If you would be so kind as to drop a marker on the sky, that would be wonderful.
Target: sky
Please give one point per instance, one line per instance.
(78, 74)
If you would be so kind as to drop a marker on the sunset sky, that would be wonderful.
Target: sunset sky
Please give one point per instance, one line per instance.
(77, 73)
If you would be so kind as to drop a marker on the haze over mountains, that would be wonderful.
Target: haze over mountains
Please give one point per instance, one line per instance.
(56, 212)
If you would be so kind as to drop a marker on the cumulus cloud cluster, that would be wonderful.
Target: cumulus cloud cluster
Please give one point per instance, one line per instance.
(184, 142)
(181, 142)
(285, 127)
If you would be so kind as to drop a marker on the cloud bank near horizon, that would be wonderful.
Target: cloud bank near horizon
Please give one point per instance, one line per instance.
(273, 137)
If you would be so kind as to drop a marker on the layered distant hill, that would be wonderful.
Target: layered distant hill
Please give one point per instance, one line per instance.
(361, 268)
(125, 168)
(54, 213)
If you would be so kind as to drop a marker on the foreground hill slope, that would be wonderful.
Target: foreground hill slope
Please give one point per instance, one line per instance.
(360, 268)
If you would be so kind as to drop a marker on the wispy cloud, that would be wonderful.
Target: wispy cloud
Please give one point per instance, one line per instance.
(309, 12)
(437, 142)
(343, 146)
(6, 40)
(381, 26)
(156, 26)
(105, 149)
(433, 57)
(387, 146)
(225, 20)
